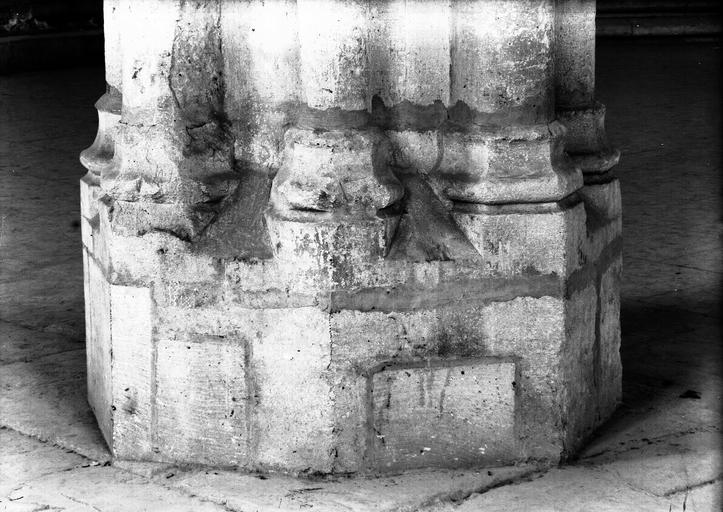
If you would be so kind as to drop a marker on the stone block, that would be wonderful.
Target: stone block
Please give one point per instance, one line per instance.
(132, 371)
(153, 177)
(608, 375)
(533, 330)
(503, 166)
(326, 236)
(98, 344)
(202, 403)
(133, 247)
(320, 253)
(293, 417)
(603, 209)
(528, 329)
(574, 53)
(578, 368)
(527, 242)
(148, 30)
(452, 413)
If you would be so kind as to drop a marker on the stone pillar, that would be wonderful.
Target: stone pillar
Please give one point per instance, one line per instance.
(577, 108)
(327, 236)
(586, 142)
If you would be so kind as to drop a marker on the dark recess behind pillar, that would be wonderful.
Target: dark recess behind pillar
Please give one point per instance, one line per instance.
(43, 34)
(627, 18)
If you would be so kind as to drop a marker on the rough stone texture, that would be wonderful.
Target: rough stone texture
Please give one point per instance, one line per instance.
(294, 209)
(657, 441)
(450, 415)
(577, 109)
(575, 490)
(30, 459)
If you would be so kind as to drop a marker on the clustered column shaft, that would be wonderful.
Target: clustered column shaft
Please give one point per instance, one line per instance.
(326, 236)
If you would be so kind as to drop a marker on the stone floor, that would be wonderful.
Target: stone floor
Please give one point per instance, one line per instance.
(660, 452)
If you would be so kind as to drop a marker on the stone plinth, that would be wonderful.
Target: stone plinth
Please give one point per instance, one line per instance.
(333, 236)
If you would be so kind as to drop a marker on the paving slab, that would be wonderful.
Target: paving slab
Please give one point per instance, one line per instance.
(572, 489)
(101, 488)
(705, 498)
(46, 398)
(23, 459)
(265, 493)
(666, 466)
(19, 343)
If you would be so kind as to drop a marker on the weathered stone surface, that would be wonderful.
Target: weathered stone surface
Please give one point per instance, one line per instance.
(332, 52)
(23, 459)
(586, 139)
(578, 364)
(455, 413)
(99, 352)
(514, 38)
(335, 170)
(293, 398)
(20, 343)
(526, 242)
(574, 53)
(692, 461)
(201, 392)
(413, 490)
(571, 489)
(606, 352)
(132, 371)
(295, 209)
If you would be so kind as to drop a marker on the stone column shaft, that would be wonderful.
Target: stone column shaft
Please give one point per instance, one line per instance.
(577, 108)
(326, 236)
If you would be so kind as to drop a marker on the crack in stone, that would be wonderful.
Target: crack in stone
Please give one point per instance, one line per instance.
(635, 444)
(688, 488)
(457, 498)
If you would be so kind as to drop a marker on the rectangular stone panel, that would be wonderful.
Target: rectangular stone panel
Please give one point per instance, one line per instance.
(201, 402)
(132, 367)
(98, 343)
(577, 367)
(450, 413)
(607, 356)
(293, 406)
